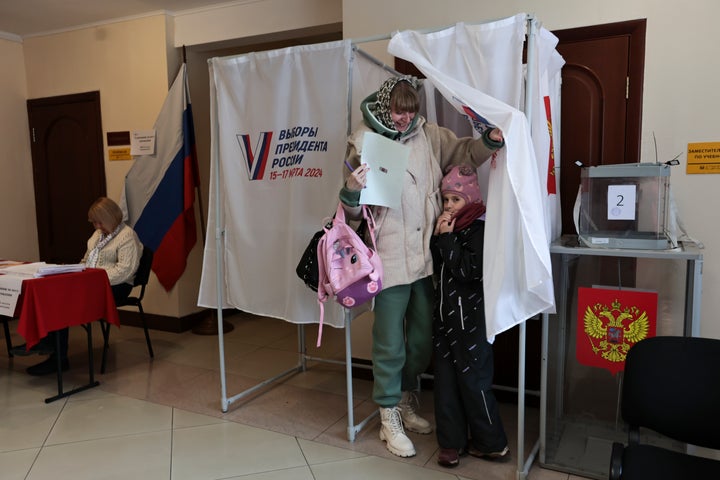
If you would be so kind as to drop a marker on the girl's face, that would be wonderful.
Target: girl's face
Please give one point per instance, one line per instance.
(452, 203)
(401, 120)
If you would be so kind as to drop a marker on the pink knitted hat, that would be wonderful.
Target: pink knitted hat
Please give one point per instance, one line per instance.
(462, 181)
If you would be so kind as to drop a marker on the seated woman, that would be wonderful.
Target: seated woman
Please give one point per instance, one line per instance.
(115, 248)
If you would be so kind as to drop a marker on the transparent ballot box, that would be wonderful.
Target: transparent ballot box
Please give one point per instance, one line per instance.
(624, 206)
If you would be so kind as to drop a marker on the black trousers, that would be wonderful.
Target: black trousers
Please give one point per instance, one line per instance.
(466, 411)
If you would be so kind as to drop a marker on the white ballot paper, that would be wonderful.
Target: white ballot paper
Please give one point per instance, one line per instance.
(387, 161)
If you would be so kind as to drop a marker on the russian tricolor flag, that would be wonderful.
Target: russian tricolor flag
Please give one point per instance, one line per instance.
(159, 194)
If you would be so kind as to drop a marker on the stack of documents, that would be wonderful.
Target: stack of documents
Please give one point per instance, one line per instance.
(55, 269)
(41, 269)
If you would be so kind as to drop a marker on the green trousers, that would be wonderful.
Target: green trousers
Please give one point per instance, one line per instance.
(402, 339)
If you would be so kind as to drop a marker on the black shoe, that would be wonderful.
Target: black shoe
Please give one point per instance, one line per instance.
(500, 455)
(449, 457)
(48, 366)
(41, 348)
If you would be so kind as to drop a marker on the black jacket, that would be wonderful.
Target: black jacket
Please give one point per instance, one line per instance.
(459, 326)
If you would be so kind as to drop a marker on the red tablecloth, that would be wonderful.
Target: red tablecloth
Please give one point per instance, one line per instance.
(57, 301)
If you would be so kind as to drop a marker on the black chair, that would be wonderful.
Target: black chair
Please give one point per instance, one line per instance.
(141, 279)
(671, 387)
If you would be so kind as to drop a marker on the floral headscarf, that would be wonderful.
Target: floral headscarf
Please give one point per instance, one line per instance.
(381, 108)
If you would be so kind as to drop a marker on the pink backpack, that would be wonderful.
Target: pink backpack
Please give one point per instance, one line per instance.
(348, 269)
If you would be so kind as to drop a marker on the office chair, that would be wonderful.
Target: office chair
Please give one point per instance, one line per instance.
(141, 279)
(672, 387)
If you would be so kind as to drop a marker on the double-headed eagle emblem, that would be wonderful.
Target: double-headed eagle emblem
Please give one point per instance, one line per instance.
(613, 330)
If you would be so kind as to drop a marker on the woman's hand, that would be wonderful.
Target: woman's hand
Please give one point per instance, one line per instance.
(357, 180)
(496, 135)
(445, 223)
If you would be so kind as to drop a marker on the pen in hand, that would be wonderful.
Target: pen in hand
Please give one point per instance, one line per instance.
(357, 178)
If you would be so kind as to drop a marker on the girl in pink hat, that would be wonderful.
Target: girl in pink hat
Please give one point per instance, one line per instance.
(463, 365)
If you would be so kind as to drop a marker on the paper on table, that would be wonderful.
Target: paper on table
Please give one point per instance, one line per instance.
(10, 287)
(387, 161)
(55, 269)
(9, 263)
(41, 269)
(24, 269)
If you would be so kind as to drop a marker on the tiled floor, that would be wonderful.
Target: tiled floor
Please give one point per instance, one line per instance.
(162, 418)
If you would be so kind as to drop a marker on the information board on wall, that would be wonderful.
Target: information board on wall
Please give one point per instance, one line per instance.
(703, 157)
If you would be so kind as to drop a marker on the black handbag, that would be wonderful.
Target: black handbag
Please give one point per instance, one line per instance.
(307, 267)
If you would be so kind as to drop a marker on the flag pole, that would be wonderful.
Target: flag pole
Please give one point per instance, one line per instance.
(209, 324)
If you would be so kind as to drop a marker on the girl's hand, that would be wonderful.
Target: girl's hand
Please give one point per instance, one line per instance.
(357, 180)
(445, 223)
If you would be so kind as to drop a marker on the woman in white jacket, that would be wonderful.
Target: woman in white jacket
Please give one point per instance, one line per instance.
(402, 330)
(113, 247)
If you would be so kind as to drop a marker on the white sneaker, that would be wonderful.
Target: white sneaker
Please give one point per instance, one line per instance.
(392, 433)
(411, 420)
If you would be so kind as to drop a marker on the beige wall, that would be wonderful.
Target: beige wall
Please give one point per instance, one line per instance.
(248, 19)
(679, 104)
(17, 199)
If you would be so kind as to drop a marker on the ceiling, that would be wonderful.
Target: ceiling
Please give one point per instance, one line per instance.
(22, 18)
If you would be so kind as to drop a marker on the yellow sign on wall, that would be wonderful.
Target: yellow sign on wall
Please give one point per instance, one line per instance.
(703, 157)
(119, 153)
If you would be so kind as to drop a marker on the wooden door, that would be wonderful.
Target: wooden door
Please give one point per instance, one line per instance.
(602, 85)
(68, 171)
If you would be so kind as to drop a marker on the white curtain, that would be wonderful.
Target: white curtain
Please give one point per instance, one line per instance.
(279, 128)
(546, 120)
(479, 70)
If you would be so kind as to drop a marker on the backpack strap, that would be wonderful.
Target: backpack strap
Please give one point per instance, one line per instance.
(323, 294)
(340, 213)
(322, 315)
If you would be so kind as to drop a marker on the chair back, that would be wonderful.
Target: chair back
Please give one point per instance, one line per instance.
(142, 275)
(672, 386)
